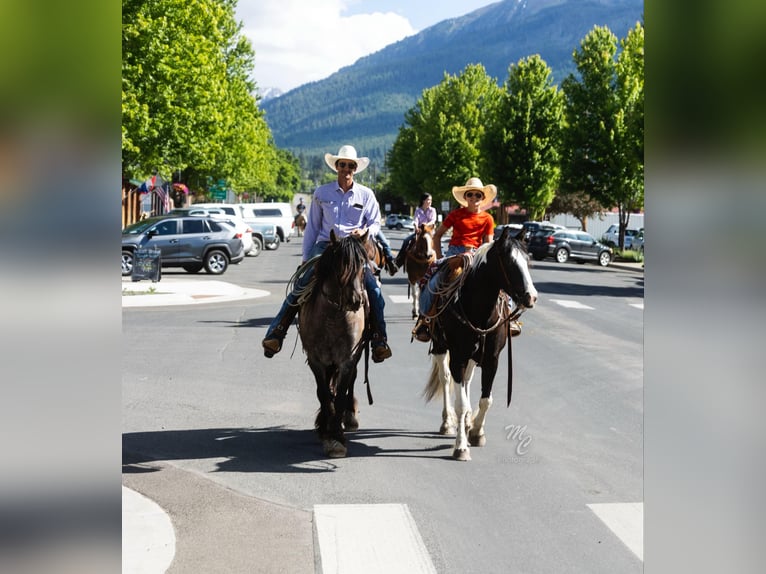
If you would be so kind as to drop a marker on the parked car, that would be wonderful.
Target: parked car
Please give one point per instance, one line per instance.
(638, 241)
(612, 237)
(278, 214)
(242, 228)
(514, 227)
(567, 244)
(268, 229)
(190, 242)
(399, 221)
(532, 227)
(264, 235)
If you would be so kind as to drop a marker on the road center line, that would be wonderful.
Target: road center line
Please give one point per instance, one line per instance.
(370, 538)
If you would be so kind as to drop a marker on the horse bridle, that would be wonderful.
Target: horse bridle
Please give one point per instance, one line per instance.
(513, 316)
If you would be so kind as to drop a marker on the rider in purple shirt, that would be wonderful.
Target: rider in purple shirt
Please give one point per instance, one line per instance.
(349, 208)
(423, 214)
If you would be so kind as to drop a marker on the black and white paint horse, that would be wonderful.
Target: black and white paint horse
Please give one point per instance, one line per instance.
(472, 329)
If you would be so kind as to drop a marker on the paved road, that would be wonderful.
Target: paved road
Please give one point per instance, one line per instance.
(220, 438)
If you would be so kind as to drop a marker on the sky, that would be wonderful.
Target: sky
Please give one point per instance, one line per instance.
(300, 41)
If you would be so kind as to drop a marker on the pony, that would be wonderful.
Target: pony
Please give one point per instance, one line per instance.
(420, 255)
(300, 224)
(468, 331)
(331, 324)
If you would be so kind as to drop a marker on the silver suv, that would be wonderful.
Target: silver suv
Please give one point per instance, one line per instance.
(190, 242)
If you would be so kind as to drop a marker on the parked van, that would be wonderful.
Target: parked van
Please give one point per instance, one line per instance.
(263, 230)
(280, 214)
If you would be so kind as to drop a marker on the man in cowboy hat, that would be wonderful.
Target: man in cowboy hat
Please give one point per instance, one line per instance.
(471, 226)
(348, 208)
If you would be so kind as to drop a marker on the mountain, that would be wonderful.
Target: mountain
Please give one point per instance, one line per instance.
(364, 104)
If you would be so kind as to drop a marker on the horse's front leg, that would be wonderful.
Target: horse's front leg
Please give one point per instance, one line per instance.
(467, 378)
(336, 446)
(463, 407)
(476, 436)
(449, 418)
(415, 299)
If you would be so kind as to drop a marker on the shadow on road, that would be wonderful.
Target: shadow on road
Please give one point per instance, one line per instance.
(269, 449)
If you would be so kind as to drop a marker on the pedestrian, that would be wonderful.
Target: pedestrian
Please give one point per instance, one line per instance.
(348, 208)
(471, 227)
(301, 207)
(424, 214)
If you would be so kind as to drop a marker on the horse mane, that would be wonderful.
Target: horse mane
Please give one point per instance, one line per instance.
(344, 258)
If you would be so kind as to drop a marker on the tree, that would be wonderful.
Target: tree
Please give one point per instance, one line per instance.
(577, 203)
(440, 145)
(522, 142)
(603, 137)
(187, 100)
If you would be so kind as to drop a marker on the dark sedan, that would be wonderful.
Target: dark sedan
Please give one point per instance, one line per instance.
(567, 244)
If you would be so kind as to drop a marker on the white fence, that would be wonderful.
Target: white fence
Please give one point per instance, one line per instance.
(598, 224)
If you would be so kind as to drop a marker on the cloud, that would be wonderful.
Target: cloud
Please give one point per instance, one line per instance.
(299, 41)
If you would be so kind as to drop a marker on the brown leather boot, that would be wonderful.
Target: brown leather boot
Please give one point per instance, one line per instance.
(272, 343)
(380, 351)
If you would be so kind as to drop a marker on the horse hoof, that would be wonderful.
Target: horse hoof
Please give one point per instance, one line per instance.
(461, 454)
(350, 423)
(448, 429)
(477, 440)
(334, 449)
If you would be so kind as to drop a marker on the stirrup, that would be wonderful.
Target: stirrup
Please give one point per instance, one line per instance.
(421, 331)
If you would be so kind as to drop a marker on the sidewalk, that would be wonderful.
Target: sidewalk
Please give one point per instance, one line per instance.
(148, 536)
(172, 291)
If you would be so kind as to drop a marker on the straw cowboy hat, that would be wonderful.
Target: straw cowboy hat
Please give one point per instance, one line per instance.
(347, 152)
(489, 191)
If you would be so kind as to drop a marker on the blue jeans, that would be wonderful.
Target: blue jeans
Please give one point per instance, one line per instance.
(426, 293)
(386, 245)
(374, 294)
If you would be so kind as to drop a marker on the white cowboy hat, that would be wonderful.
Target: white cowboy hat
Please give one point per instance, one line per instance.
(347, 152)
(474, 183)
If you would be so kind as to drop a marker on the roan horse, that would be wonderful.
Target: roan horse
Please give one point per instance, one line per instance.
(471, 329)
(419, 257)
(332, 330)
(300, 224)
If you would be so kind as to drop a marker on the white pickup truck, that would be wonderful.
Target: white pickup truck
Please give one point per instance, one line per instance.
(612, 237)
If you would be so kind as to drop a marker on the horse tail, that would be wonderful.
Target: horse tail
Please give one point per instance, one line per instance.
(436, 379)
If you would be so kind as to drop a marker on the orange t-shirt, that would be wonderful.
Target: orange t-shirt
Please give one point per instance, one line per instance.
(469, 228)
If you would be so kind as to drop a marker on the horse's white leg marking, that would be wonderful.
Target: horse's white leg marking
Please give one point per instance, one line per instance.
(470, 369)
(476, 436)
(415, 299)
(462, 406)
(449, 418)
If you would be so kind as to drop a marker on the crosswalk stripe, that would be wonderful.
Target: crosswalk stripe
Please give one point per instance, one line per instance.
(370, 538)
(571, 304)
(400, 299)
(626, 520)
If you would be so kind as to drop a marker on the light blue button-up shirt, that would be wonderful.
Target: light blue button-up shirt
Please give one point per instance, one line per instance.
(332, 208)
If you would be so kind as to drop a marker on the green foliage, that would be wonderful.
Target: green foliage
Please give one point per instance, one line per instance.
(603, 139)
(187, 103)
(440, 145)
(522, 143)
